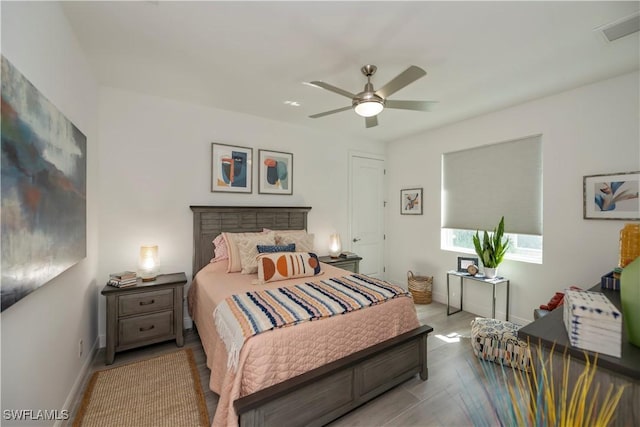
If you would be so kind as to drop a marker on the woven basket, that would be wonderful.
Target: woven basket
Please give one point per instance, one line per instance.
(420, 288)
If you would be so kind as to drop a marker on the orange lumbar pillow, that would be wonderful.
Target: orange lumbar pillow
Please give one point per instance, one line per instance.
(287, 265)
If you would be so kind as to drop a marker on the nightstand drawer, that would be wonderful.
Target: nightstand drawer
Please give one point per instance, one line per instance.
(350, 265)
(143, 328)
(145, 302)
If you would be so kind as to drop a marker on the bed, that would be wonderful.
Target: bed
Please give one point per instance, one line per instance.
(327, 367)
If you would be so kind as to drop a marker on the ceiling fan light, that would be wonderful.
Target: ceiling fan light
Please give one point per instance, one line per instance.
(369, 108)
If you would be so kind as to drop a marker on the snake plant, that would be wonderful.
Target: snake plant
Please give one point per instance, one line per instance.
(492, 248)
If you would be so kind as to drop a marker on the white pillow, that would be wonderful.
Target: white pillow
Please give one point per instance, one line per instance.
(235, 263)
(248, 248)
(302, 240)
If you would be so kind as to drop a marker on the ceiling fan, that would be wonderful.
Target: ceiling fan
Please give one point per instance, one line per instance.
(369, 103)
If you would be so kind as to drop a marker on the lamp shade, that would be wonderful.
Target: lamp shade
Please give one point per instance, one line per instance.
(369, 108)
(335, 245)
(148, 263)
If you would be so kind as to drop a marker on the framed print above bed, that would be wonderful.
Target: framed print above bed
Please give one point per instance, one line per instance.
(612, 196)
(231, 168)
(275, 172)
(411, 201)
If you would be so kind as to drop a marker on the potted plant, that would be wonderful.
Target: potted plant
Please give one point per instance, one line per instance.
(491, 249)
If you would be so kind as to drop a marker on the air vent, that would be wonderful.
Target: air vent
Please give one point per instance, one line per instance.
(621, 27)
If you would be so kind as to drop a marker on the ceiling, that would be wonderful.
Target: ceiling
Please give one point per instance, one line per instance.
(251, 57)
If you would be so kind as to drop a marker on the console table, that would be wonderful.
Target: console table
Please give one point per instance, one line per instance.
(477, 278)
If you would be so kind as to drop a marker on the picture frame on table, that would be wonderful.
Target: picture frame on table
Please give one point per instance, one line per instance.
(611, 196)
(231, 168)
(275, 172)
(465, 262)
(411, 201)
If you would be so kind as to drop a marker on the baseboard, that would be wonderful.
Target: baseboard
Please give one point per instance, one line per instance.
(187, 322)
(80, 380)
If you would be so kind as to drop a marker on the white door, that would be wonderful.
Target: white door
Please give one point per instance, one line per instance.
(367, 213)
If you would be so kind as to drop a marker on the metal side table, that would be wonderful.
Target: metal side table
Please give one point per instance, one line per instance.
(477, 278)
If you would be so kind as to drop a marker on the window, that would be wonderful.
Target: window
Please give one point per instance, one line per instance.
(482, 184)
(523, 247)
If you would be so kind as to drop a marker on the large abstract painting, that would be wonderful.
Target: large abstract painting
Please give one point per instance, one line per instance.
(43, 189)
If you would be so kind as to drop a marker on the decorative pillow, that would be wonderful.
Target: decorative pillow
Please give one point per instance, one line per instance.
(220, 249)
(280, 233)
(287, 265)
(235, 263)
(269, 249)
(248, 249)
(303, 241)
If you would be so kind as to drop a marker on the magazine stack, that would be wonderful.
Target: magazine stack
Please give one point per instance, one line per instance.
(593, 323)
(123, 279)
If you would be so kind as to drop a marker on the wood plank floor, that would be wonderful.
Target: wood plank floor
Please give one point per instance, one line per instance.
(439, 401)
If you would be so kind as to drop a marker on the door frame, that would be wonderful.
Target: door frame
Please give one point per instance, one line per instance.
(374, 156)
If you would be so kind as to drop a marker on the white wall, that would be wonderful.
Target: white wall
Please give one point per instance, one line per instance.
(590, 130)
(40, 333)
(155, 159)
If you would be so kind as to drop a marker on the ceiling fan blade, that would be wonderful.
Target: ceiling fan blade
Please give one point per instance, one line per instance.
(326, 113)
(370, 122)
(410, 105)
(406, 77)
(334, 89)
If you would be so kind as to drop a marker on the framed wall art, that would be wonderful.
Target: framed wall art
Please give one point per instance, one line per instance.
(44, 189)
(612, 196)
(275, 172)
(231, 168)
(465, 262)
(411, 201)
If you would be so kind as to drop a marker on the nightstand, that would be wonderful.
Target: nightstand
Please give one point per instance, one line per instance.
(147, 313)
(351, 264)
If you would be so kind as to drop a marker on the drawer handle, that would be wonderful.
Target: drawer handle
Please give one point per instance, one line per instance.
(148, 328)
(147, 302)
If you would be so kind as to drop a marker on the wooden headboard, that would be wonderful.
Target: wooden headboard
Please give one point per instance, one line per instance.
(209, 221)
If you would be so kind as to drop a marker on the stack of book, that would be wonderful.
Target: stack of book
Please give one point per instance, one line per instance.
(611, 280)
(123, 279)
(593, 323)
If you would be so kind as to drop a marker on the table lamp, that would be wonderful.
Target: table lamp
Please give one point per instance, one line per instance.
(148, 263)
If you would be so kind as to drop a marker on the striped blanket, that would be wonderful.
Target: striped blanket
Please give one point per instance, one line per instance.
(239, 317)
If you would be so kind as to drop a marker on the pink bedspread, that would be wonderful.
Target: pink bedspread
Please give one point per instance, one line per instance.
(275, 356)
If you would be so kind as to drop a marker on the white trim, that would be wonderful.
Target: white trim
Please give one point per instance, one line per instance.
(357, 153)
(79, 382)
(363, 154)
(366, 155)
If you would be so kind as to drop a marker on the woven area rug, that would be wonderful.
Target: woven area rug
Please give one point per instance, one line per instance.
(162, 391)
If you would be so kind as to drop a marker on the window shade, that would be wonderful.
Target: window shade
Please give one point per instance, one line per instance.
(482, 184)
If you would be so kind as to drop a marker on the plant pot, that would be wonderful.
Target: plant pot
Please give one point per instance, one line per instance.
(490, 273)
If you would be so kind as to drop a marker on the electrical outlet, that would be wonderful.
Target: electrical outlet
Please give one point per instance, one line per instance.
(80, 348)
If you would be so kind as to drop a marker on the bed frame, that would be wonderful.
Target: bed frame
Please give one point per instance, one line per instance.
(325, 393)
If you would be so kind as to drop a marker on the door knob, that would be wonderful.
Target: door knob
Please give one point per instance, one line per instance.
(355, 240)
